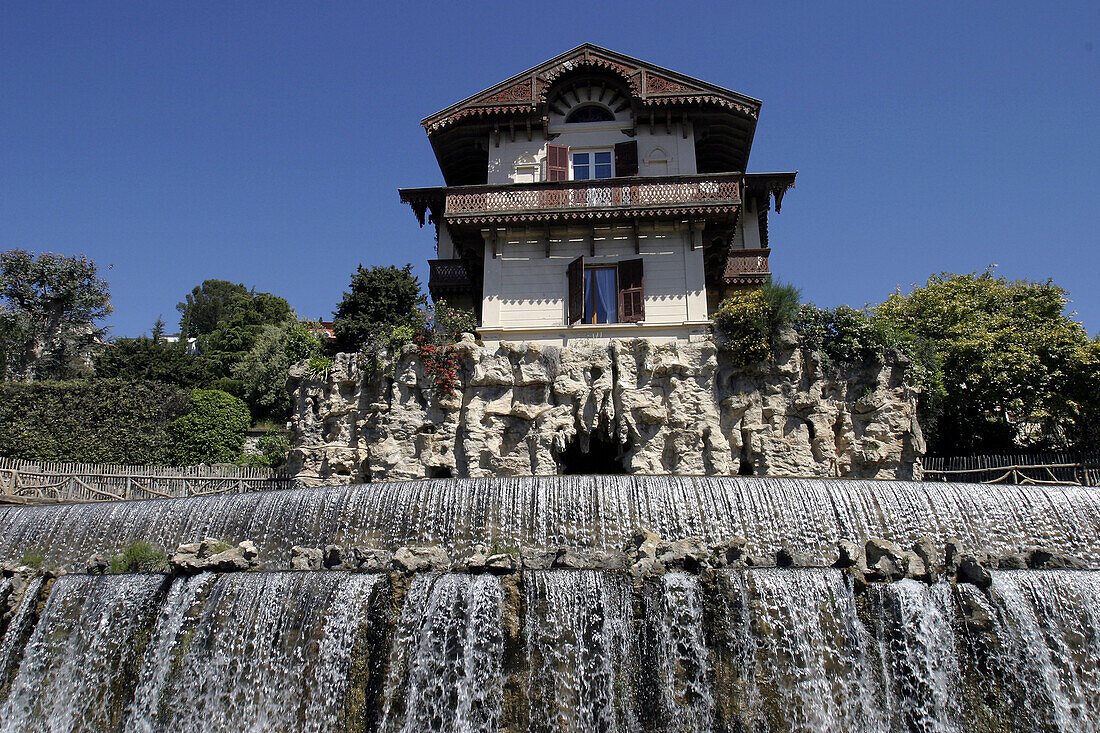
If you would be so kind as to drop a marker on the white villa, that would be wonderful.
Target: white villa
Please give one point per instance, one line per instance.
(596, 196)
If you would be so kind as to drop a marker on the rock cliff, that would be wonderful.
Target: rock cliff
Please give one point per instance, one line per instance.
(629, 405)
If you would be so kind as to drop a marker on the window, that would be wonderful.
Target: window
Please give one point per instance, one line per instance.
(591, 164)
(590, 113)
(600, 295)
(606, 293)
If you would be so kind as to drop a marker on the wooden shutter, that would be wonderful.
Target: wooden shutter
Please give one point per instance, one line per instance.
(557, 163)
(626, 158)
(575, 275)
(631, 291)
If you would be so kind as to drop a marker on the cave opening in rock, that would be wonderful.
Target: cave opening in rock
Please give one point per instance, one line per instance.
(440, 472)
(603, 456)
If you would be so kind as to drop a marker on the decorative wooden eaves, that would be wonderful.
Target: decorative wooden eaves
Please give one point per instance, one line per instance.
(763, 187)
(651, 87)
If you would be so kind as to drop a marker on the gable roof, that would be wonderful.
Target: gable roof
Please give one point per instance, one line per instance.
(650, 84)
(724, 120)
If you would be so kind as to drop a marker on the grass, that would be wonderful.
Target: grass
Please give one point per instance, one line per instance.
(139, 557)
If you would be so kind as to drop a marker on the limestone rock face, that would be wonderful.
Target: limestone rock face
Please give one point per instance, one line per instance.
(655, 408)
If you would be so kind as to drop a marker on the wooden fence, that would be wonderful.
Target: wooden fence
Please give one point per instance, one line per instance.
(28, 481)
(1068, 469)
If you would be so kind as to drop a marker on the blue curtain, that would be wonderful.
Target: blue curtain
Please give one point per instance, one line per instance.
(601, 295)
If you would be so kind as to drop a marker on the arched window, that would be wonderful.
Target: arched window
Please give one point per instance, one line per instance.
(590, 113)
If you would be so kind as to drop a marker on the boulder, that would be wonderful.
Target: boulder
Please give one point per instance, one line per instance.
(533, 559)
(688, 554)
(643, 543)
(213, 555)
(97, 564)
(1042, 558)
(306, 558)
(971, 571)
(878, 548)
(502, 563)
(589, 560)
(851, 554)
(420, 559)
(975, 615)
(728, 553)
(368, 559)
(333, 557)
(1013, 561)
(925, 549)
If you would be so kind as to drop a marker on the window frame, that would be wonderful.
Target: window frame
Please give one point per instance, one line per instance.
(592, 164)
(590, 320)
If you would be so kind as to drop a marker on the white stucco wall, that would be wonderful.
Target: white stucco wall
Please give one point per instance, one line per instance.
(659, 154)
(526, 291)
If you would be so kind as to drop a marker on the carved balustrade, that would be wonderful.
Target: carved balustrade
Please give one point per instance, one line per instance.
(697, 194)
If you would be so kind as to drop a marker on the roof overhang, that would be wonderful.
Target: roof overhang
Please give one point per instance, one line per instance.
(724, 120)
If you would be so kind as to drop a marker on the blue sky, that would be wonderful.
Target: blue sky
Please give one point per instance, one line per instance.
(264, 142)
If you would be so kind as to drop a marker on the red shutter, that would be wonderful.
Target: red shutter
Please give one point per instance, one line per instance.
(557, 163)
(576, 290)
(626, 158)
(631, 291)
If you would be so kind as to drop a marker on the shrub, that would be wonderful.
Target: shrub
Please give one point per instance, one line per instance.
(33, 559)
(741, 321)
(90, 421)
(845, 334)
(213, 431)
(139, 557)
(272, 448)
(452, 322)
(319, 366)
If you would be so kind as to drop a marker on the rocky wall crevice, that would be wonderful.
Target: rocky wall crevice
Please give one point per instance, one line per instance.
(679, 407)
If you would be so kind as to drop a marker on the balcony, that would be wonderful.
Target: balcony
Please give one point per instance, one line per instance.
(747, 267)
(448, 277)
(695, 195)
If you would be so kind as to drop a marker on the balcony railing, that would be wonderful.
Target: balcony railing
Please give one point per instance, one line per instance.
(747, 266)
(448, 276)
(697, 194)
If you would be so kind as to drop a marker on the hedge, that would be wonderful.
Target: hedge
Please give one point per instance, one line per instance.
(119, 421)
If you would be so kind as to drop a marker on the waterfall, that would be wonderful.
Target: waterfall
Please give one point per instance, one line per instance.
(1048, 624)
(806, 515)
(273, 649)
(445, 664)
(81, 654)
(766, 650)
(19, 627)
(801, 653)
(918, 655)
(579, 645)
(674, 611)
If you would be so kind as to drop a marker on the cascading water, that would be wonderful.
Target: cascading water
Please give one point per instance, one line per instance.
(1048, 624)
(579, 645)
(445, 666)
(674, 612)
(83, 652)
(807, 515)
(553, 649)
(798, 653)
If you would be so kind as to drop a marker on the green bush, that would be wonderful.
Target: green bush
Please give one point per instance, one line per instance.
(844, 334)
(319, 366)
(33, 559)
(139, 557)
(212, 431)
(272, 448)
(90, 421)
(741, 321)
(749, 322)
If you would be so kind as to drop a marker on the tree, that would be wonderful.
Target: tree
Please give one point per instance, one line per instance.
(158, 331)
(1007, 351)
(49, 306)
(226, 318)
(385, 295)
(147, 359)
(206, 305)
(213, 430)
(264, 370)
